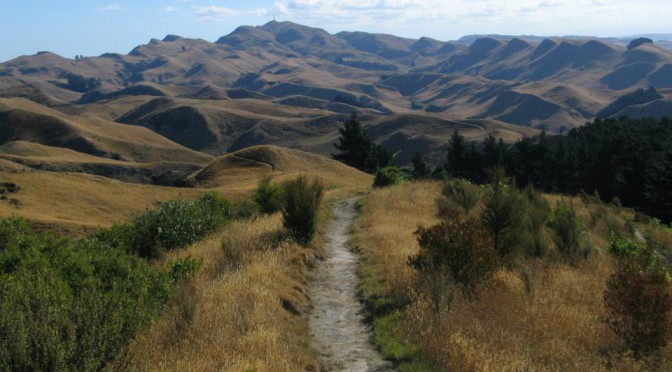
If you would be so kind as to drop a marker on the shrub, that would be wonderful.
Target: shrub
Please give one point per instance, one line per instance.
(301, 207)
(171, 225)
(70, 305)
(269, 197)
(8, 188)
(568, 230)
(463, 193)
(597, 214)
(183, 269)
(245, 209)
(457, 249)
(501, 214)
(420, 169)
(387, 176)
(642, 218)
(615, 202)
(637, 297)
(536, 217)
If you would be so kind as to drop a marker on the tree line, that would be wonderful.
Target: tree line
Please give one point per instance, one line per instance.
(626, 160)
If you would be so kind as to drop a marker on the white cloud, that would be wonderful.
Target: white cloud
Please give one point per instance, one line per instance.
(168, 9)
(111, 8)
(458, 17)
(220, 13)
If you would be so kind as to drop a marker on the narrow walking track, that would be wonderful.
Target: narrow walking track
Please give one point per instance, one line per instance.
(336, 322)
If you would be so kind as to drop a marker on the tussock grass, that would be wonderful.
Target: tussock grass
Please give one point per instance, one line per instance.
(244, 314)
(553, 322)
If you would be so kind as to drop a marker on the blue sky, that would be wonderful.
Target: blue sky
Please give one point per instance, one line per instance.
(93, 27)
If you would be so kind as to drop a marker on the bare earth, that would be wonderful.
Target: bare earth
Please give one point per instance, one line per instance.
(336, 323)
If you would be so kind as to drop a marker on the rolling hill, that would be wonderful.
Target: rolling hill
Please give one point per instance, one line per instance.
(169, 107)
(300, 66)
(74, 202)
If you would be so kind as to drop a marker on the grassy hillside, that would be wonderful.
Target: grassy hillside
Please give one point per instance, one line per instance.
(72, 202)
(235, 300)
(81, 202)
(241, 312)
(21, 119)
(243, 169)
(537, 314)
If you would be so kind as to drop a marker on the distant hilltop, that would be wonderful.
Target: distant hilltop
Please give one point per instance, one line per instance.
(288, 84)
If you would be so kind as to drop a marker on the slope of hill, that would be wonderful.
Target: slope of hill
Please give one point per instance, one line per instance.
(75, 202)
(59, 159)
(243, 169)
(25, 120)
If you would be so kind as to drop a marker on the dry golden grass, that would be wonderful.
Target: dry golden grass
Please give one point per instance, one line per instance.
(134, 143)
(245, 316)
(73, 201)
(48, 154)
(557, 326)
(385, 234)
(244, 168)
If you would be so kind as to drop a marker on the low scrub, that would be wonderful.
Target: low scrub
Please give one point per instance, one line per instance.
(463, 193)
(269, 197)
(568, 231)
(458, 249)
(70, 305)
(170, 225)
(387, 176)
(301, 207)
(75, 304)
(501, 214)
(637, 298)
(543, 313)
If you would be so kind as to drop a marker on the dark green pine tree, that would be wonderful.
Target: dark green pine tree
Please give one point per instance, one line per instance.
(356, 148)
(420, 168)
(456, 154)
(354, 144)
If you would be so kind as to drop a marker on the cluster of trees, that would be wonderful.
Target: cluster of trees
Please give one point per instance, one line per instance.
(628, 159)
(358, 150)
(81, 84)
(625, 159)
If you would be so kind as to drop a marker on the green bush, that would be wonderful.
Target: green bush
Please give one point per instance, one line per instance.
(637, 297)
(301, 207)
(70, 305)
(568, 230)
(171, 225)
(387, 176)
(183, 269)
(269, 197)
(463, 193)
(457, 249)
(501, 214)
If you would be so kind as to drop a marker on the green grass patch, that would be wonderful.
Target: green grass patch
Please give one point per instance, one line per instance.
(390, 339)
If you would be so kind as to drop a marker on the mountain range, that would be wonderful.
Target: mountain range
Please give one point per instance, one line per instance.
(182, 102)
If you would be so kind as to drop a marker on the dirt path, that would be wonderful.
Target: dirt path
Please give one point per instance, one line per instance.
(336, 323)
